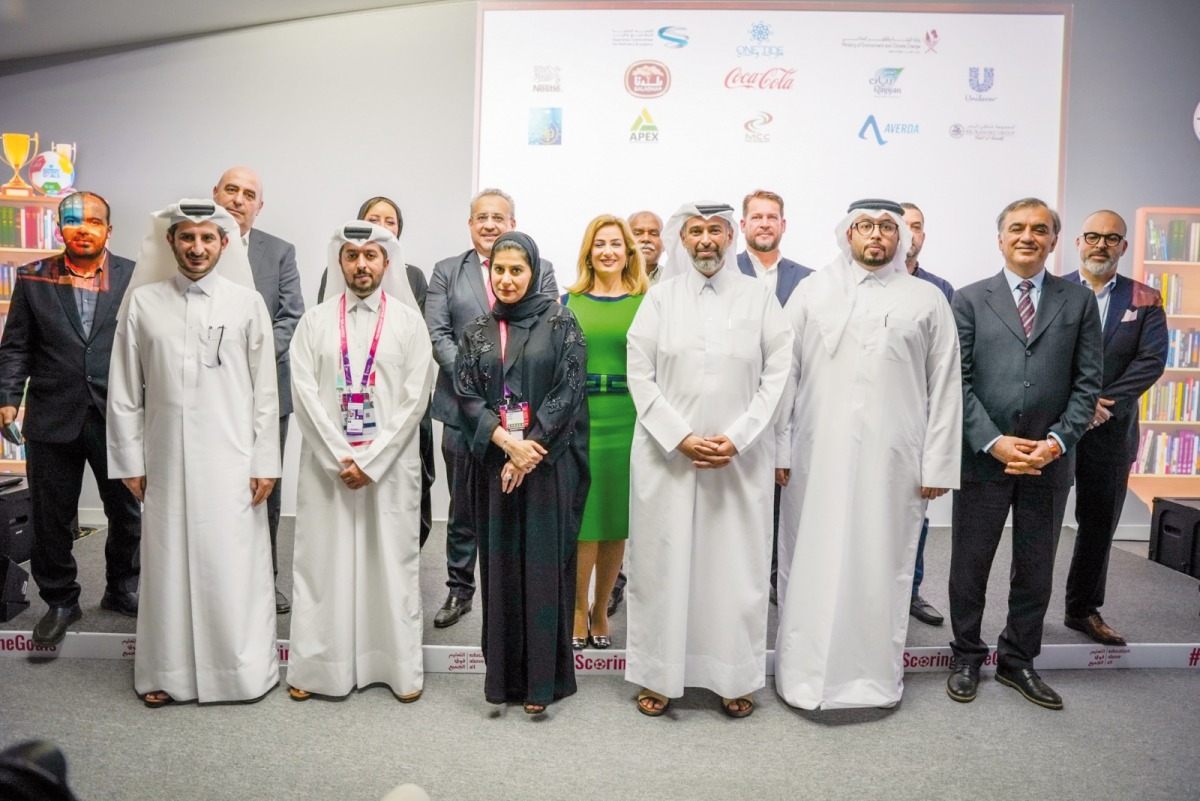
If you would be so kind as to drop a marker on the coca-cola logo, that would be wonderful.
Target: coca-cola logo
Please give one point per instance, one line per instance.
(773, 78)
(647, 79)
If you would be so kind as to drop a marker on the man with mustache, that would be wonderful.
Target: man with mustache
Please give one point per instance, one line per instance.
(709, 353)
(646, 227)
(875, 432)
(763, 225)
(59, 335)
(1135, 353)
(1031, 369)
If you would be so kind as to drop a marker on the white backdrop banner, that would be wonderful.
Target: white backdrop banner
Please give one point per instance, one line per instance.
(584, 110)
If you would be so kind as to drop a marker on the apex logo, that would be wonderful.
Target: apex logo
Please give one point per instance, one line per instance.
(644, 130)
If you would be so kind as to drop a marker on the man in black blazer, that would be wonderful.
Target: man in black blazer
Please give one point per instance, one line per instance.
(1031, 366)
(273, 263)
(458, 295)
(1135, 353)
(763, 225)
(59, 336)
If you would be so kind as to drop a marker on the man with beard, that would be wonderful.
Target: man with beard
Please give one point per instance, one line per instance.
(875, 430)
(193, 430)
(709, 353)
(647, 232)
(273, 262)
(1032, 358)
(1135, 352)
(59, 335)
(763, 225)
(919, 608)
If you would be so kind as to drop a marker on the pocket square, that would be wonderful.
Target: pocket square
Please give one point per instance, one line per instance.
(1130, 316)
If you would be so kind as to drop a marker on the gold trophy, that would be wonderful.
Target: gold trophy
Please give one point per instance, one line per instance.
(16, 154)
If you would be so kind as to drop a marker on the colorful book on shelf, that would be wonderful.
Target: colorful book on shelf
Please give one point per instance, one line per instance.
(1177, 240)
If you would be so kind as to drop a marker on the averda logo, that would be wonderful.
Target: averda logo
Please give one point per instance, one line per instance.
(756, 128)
(647, 79)
(888, 130)
(673, 36)
(644, 131)
(545, 126)
(981, 80)
(884, 82)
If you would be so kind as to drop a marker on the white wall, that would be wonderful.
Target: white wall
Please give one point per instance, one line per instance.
(333, 110)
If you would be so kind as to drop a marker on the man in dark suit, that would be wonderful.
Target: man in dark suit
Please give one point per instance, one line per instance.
(458, 294)
(273, 262)
(1135, 353)
(763, 225)
(1031, 366)
(918, 607)
(59, 335)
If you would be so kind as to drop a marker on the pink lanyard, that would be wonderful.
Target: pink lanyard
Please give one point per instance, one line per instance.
(368, 372)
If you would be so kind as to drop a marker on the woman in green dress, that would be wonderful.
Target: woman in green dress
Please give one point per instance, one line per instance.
(612, 282)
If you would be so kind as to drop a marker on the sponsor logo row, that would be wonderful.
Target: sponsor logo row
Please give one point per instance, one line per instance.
(546, 128)
(759, 41)
(648, 79)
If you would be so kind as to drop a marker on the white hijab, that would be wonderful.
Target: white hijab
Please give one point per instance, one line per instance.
(679, 261)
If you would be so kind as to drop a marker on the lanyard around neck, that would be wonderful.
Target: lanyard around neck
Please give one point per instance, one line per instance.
(368, 374)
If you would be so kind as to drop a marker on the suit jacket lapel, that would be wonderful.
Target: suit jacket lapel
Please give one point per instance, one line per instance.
(1120, 300)
(66, 296)
(743, 263)
(786, 281)
(1049, 306)
(104, 300)
(474, 272)
(1000, 299)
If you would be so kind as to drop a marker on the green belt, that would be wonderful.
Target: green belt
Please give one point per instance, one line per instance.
(603, 383)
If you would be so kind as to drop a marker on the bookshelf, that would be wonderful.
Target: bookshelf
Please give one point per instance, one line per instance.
(28, 232)
(1166, 255)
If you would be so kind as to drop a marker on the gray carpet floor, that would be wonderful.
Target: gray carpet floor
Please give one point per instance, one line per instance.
(1124, 733)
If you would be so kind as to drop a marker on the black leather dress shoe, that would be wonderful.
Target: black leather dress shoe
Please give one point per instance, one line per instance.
(282, 604)
(923, 611)
(123, 603)
(51, 629)
(451, 611)
(963, 683)
(1028, 683)
(614, 600)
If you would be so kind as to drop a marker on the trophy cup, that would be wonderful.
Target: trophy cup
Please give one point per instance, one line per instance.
(16, 154)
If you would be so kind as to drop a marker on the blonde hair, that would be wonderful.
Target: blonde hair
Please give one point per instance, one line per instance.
(633, 277)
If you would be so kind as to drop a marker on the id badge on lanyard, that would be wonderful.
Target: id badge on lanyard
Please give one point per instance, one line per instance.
(358, 411)
(514, 415)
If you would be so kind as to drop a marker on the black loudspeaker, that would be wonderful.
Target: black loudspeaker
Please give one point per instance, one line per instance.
(1175, 534)
(14, 590)
(16, 523)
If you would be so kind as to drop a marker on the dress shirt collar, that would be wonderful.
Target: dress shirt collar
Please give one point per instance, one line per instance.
(697, 280)
(205, 285)
(1104, 290)
(370, 302)
(78, 273)
(860, 274)
(757, 263)
(1014, 280)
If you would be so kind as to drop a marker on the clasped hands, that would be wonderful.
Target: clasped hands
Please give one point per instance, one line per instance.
(708, 452)
(260, 488)
(1102, 415)
(1022, 456)
(523, 456)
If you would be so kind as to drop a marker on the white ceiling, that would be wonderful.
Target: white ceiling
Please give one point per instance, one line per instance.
(41, 33)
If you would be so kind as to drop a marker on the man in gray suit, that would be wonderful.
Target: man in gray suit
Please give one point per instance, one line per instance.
(1032, 363)
(276, 278)
(457, 295)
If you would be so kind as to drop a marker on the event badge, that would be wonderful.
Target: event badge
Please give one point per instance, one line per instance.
(358, 416)
(514, 417)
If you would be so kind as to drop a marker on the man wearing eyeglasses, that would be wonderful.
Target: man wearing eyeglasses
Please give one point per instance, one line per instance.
(872, 432)
(1135, 354)
(1031, 368)
(459, 292)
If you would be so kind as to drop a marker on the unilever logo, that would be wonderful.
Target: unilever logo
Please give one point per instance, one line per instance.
(760, 33)
(755, 127)
(891, 129)
(673, 36)
(981, 85)
(885, 81)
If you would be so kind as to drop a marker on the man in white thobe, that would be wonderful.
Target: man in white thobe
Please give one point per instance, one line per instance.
(356, 607)
(708, 357)
(193, 430)
(875, 432)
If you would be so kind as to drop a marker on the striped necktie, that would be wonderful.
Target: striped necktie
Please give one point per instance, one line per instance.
(1025, 306)
(487, 282)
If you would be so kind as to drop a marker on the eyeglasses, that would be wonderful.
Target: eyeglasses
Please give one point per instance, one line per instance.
(886, 227)
(1110, 240)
